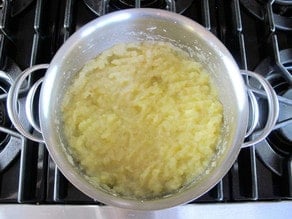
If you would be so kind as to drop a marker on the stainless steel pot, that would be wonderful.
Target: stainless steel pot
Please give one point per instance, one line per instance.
(140, 25)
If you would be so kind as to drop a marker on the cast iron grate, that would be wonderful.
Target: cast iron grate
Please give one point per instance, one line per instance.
(33, 36)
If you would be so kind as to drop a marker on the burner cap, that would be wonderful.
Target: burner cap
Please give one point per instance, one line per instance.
(277, 148)
(281, 138)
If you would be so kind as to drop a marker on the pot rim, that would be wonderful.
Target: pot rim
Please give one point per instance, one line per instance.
(68, 170)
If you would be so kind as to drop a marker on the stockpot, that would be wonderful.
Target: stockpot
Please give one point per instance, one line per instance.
(132, 25)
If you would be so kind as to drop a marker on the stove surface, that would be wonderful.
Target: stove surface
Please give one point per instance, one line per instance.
(32, 32)
(206, 211)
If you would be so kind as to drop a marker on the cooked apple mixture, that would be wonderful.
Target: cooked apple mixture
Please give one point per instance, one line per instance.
(142, 119)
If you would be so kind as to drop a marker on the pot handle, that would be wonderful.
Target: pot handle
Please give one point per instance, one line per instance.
(273, 106)
(13, 94)
(12, 98)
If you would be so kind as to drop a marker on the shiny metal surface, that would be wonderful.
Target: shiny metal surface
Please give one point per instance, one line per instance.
(139, 25)
(29, 105)
(273, 107)
(259, 210)
(12, 107)
(255, 113)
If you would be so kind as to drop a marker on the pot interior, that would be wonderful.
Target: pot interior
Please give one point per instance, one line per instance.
(145, 25)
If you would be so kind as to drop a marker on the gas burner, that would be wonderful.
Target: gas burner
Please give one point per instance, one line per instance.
(276, 150)
(10, 141)
(282, 11)
(113, 5)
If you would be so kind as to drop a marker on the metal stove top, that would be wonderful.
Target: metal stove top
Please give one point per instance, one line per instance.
(258, 33)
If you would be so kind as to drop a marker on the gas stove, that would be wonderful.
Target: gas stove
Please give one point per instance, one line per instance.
(258, 34)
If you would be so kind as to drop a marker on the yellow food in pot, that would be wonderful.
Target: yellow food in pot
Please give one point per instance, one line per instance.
(142, 119)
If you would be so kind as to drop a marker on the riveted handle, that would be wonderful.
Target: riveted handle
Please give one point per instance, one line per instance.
(12, 99)
(273, 106)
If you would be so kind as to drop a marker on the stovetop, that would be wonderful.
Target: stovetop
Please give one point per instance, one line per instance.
(258, 33)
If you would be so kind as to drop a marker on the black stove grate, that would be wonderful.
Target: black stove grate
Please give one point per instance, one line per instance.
(35, 33)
